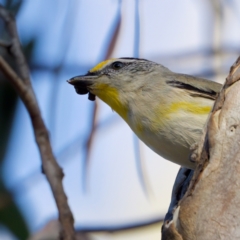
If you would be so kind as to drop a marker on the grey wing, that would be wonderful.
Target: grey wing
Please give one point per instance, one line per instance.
(197, 87)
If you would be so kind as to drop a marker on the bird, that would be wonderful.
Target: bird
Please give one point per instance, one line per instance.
(166, 110)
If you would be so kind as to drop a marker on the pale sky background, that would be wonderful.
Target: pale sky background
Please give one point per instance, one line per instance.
(114, 196)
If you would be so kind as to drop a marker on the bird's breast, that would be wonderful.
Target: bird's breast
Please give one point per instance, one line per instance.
(170, 134)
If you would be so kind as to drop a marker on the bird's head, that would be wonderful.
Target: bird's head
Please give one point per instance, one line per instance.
(115, 81)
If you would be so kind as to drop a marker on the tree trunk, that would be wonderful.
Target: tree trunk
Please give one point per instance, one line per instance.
(210, 208)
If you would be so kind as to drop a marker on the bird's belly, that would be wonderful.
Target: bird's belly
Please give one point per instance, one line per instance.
(172, 138)
(167, 149)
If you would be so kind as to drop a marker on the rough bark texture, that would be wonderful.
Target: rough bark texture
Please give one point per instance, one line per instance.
(210, 209)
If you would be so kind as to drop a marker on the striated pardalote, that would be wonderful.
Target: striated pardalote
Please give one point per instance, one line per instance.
(166, 110)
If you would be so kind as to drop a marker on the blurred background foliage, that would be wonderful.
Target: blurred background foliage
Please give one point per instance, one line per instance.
(209, 53)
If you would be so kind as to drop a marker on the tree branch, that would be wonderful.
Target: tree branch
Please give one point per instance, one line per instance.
(15, 45)
(23, 87)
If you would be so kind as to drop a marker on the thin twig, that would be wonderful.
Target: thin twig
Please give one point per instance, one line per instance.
(63, 156)
(114, 32)
(139, 158)
(5, 44)
(52, 170)
(69, 20)
(23, 87)
(15, 48)
(93, 126)
(121, 227)
(89, 142)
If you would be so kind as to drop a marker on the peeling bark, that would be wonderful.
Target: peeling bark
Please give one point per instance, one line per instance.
(210, 209)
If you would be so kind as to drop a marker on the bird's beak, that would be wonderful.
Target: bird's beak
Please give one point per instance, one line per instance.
(82, 84)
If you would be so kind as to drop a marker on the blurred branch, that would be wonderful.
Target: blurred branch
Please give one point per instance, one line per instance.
(15, 48)
(93, 127)
(138, 154)
(9, 210)
(64, 155)
(119, 227)
(52, 170)
(69, 19)
(216, 34)
(5, 200)
(51, 231)
(5, 44)
(89, 140)
(189, 58)
(114, 33)
(23, 87)
(136, 42)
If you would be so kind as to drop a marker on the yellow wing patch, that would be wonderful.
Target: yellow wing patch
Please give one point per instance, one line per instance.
(189, 107)
(164, 112)
(101, 65)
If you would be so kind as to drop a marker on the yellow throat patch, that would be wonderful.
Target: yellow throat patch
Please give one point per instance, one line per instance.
(109, 94)
(111, 97)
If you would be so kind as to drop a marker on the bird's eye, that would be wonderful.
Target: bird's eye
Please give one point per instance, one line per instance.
(117, 65)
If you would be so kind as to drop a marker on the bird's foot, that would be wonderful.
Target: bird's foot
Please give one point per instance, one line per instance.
(194, 153)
